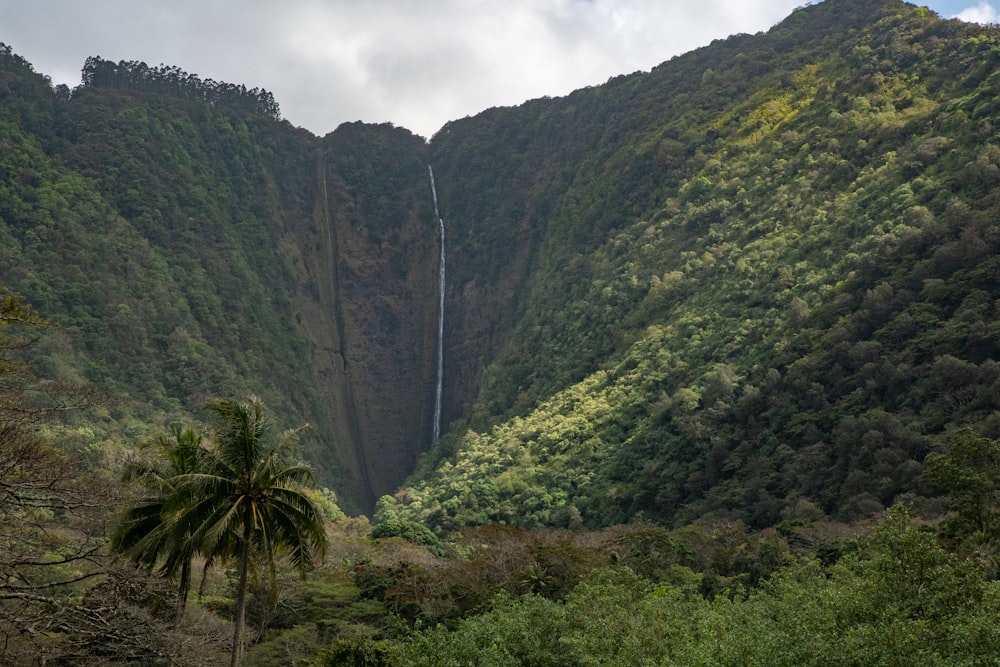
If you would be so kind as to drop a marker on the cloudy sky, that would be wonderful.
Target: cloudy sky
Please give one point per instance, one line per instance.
(415, 63)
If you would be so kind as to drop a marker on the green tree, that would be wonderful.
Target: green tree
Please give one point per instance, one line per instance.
(248, 499)
(144, 533)
(61, 601)
(969, 473)
(41, 492)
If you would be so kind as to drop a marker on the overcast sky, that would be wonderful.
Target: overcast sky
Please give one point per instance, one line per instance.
(415, 63)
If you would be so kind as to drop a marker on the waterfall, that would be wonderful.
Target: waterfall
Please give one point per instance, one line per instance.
(440, 326)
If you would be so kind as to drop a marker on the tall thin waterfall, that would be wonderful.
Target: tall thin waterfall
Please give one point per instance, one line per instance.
(440, 327)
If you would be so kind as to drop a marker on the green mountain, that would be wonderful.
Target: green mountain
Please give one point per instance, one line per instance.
(757, 282)
(191, 245)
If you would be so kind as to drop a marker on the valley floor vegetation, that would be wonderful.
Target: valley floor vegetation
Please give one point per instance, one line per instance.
(199, 543)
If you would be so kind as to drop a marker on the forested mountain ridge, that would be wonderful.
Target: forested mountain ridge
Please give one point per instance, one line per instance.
(757, 281)
(187, 242)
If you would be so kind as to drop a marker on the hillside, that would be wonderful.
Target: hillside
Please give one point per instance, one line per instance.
(762, 280)
(191, 249)
(756, 282)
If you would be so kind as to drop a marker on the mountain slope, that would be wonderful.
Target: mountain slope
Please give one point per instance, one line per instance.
(769, 293)
(193, 249)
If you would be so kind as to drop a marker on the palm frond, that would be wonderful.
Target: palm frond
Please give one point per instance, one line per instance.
(240, 495)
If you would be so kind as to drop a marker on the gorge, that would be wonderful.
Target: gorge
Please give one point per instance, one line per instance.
(756, 281)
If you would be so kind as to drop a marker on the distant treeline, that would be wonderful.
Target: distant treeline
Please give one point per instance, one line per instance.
(10, 61)
(135, 75)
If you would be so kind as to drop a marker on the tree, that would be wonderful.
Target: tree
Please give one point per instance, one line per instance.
(36, 481)
(144, 533)
(247, 499)
(60, 601)
(969, 473)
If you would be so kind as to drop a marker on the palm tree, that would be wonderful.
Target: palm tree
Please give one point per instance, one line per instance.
(145, 533)
(247, 499)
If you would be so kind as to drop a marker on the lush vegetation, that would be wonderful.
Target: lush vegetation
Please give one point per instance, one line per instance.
(62, 598)
(721, 365)
(144, 225)
(771, 296)
(241, 497)
(139, 76)
(756, 281)
(713, 592)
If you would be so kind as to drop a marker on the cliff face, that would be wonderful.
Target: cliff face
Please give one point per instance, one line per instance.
(370, 302)
(374, 265)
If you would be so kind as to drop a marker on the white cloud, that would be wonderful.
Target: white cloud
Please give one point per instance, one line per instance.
(416, 63)
(422, 64)
(981, 13)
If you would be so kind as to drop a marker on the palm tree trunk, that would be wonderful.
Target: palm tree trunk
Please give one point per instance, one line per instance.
(241, 593)
(182, 592)
(204, 577)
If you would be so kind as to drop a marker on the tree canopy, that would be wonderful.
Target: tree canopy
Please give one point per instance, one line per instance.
(138, 76)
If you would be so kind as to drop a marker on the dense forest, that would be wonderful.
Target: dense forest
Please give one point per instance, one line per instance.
(770, 293)
(721, 360)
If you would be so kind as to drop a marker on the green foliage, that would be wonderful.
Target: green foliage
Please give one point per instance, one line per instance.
(898, 599)
(363, 653)
(762, 290)
(901, 599)
(969, 475)
(238, 499)
(310, 614)
(147, 227)
(62, 598)
(145, 532)
(515, 632)
(47, 504)
(408, 530)
(133, 75)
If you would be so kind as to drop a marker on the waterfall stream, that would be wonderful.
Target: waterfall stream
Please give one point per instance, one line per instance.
(440, 325)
